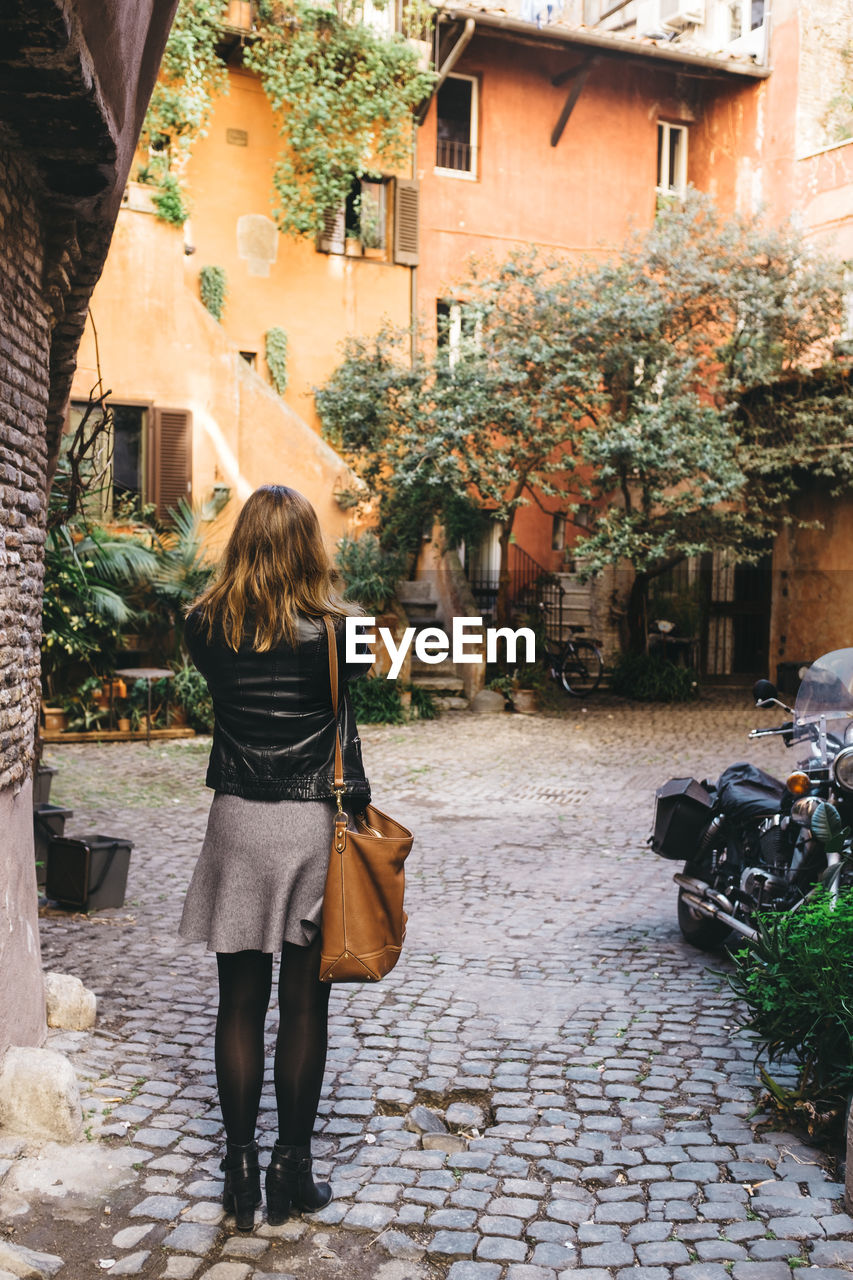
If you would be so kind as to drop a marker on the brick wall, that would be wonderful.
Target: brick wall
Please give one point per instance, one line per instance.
(24, 364)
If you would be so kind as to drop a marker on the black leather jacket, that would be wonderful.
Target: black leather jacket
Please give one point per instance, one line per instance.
(274, 728)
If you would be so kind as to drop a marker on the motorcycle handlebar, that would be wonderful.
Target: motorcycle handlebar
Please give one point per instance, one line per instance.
(784, 729)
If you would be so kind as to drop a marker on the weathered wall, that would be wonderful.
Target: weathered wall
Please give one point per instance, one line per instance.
(318, 298)
(813, 582)
(166, 348)
(66, 139)
(24, 352)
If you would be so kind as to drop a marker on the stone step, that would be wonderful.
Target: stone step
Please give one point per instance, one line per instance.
(439, 684)
(415, 591)
(446, 670)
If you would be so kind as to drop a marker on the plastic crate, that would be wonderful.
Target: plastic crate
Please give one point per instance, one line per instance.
(682, 810)
(48, 821)
(88, 874)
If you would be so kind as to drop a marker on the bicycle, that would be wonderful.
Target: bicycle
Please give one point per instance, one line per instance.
(576, 663)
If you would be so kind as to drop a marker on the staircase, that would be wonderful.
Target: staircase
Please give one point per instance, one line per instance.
(441, 679)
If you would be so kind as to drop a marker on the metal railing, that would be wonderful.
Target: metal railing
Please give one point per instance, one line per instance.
(454, 155)
(531, 585)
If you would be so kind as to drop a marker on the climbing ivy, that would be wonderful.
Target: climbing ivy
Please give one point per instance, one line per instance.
(275, 350)
(191, 75)
(343, 96)
(213, 289)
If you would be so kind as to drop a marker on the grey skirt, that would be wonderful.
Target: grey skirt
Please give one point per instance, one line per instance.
(261, 874)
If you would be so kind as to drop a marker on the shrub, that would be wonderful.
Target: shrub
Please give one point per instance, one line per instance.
(275, 351)
(190, 691)
(424, 704)
(370, 573)
(213, 290)
(169, 201)
(796, 982)
(376, 700)
(651, 679)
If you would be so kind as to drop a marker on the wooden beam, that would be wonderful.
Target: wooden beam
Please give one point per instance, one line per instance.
(580, 76)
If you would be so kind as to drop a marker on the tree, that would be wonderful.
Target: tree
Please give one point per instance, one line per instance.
(640, 385)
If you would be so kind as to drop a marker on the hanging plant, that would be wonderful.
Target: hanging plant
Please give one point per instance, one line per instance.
(275, 351)
(343, 95)
(213, 289)
(192, 75)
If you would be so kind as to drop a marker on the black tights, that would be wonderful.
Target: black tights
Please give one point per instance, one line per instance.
(245, 984)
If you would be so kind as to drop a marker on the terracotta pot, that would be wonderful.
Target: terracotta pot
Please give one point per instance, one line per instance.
(55, 719)
(177, 717)
(124, 724)
(525, 701)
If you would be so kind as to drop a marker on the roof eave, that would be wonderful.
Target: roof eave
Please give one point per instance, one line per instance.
(607, 44)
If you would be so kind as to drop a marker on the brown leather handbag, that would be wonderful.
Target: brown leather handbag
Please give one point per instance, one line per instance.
(364, 923)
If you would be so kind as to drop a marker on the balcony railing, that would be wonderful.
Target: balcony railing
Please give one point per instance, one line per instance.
(459, 156)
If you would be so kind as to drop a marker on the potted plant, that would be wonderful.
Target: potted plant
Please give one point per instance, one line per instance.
(86, 708)
(54, 718)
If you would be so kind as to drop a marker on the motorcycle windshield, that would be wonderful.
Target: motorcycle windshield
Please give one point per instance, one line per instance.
(823, 712)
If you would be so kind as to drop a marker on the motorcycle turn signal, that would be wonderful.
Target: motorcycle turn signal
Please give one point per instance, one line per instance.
(799, 784)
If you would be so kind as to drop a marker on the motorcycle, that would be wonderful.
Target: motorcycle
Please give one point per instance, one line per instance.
(752, 843)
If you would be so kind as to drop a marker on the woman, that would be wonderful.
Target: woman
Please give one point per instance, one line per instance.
(258, 637)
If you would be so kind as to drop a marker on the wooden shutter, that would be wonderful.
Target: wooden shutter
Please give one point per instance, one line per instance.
(170, 459)
(331, 239)
(406, 222)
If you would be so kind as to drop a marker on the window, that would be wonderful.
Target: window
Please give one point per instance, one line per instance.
(745, 16)
(145, 458)
(672, 159)
(366, 215)
(457, 326)
(456, 129)
(558, 531)
(251, 358)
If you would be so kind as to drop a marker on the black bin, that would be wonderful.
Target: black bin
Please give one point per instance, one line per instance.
(682, 810)
(48, 821)
(88, 874)
(789, 676)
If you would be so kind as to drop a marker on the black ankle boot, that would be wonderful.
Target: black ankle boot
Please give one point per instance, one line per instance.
(290, 1185)
(242, 1191)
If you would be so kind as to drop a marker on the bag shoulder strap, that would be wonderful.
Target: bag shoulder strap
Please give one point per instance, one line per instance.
(338, 783)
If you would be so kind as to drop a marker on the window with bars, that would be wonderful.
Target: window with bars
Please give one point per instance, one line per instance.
(457, 127)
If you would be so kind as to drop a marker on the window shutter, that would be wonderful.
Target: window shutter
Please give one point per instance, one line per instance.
(170, 460)
(406, 222)
(331, 238)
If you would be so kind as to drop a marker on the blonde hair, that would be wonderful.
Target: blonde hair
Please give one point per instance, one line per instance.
(275, 567)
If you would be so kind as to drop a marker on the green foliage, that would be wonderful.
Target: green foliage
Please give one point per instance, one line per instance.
(169, 201)
(651, 679)
(342, 93)
(370, 573)
(376, 700)
(190, 691)
(84, 712)
(424, 704)
(670, 390)
(87, 571)
(343, 96)
(797, 984)
(213, 289)
(275, 351)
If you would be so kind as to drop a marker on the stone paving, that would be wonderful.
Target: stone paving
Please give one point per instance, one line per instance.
(591, 1104)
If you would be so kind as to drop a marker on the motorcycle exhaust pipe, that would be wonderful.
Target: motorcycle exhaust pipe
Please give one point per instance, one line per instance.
(702, 898)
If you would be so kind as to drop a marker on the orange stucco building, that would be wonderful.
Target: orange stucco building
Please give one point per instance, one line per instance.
(556, 127)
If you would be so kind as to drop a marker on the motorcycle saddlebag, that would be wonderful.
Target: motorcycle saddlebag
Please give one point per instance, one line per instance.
(682, 810)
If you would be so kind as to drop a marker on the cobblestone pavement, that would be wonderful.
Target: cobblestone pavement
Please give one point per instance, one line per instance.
(599, 1098)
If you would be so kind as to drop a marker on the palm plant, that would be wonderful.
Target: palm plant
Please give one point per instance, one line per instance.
(182, 570)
